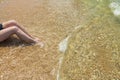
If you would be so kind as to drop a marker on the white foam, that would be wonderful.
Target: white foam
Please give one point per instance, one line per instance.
(115, 7)
(63, 44)
(58, 73)
(62, 47)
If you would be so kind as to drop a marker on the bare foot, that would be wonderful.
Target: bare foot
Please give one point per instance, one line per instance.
(38, 42)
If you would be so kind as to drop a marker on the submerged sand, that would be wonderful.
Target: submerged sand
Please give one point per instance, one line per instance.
(93, 51)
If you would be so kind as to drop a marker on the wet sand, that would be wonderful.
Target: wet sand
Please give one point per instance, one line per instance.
(44, 19)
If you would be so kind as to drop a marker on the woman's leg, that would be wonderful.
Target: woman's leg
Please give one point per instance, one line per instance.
(6, 33)
(15, 23)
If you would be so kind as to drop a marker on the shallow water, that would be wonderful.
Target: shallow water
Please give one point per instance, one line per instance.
(93, 50)
(96, 33)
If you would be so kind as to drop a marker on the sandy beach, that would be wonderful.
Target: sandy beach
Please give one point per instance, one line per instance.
(93, 47)
(43, 19)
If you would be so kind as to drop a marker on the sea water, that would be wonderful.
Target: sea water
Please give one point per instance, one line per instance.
(92, 51)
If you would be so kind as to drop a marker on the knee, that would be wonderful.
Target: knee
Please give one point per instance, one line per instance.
(13, 22)
(14, 28)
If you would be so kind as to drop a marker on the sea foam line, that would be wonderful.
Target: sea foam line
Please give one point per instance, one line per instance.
(63, 45)
(62, 48)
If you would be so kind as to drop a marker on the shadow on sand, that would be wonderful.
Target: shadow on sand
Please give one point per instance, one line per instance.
(13, 41)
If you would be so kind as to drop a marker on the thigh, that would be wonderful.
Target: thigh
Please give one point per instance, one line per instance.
(6, 33)
(9, 23)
